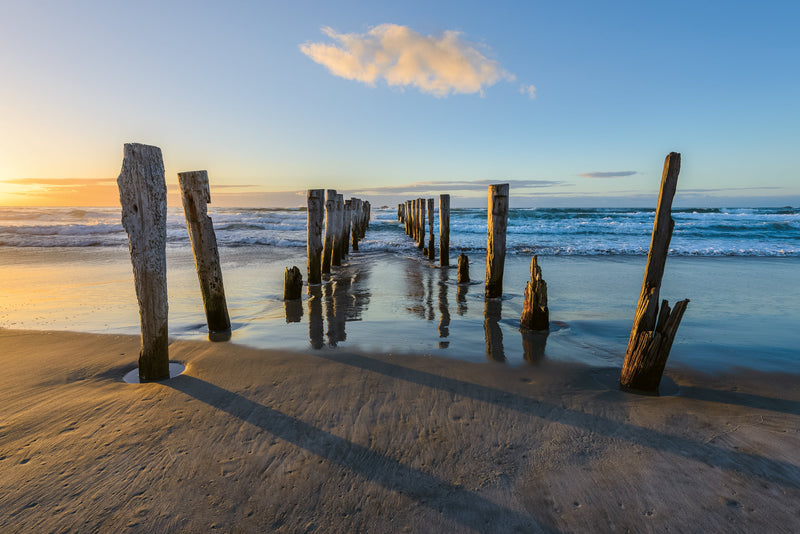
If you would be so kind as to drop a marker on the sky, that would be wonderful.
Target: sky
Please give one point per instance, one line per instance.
(572, 103)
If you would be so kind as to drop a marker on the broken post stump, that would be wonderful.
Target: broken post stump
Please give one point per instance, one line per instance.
(535, 314)
(196, 195)
(315, 199)
(463, 269)
(292, 284)
(496, 239)
(444, 230)
(330, 228)
(431, 249)
(654, 328)
(143, 196)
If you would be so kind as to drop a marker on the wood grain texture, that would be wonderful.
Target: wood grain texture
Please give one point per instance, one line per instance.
(496, 240)
(444, 230)
(315, 201)
(143, 196)
(196, 195)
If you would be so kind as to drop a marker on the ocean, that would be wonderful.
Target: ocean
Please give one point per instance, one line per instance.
(69, 269)
(542, 231)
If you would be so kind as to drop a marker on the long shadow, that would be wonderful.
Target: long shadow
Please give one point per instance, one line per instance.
(747, 464)
(741, 399)
(452, 501)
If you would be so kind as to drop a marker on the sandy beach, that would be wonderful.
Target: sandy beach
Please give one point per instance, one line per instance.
(251, 440)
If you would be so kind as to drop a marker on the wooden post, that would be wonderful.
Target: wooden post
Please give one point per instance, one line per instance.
(315, 199)
(338, 215)
(292, 283)
(654, 329)
(143, 196)
(535, 314)
(444, 230)
(196, 195)
(348, 221)
(409, 217)
(496, 240)
(431, 249)
(463, 269)
(356, 222)
(330, 228)
(421, 244)
(400, 212)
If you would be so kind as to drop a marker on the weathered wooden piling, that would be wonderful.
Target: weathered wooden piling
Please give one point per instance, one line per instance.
(348, 221)
(535, 313)
(143, 196)
(336, 259)
(431, 249)
(292, 284)
(330, 230)
(422, 216)
(357, 208)
(400, 215)
(409, 217)
(654, 328)
(444, 230)
(196, 195)
(315, 199)
(463, 269)
(496, 239)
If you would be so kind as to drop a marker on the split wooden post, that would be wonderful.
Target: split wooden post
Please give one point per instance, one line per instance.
(315, 199)
(338, 215)
(463, 269)
(196, 195)
(444, 230)
(143, 196)
(431, 249)
(292, 284)
(330, 229)
(496, 240)
(654, 328)
(535, 313)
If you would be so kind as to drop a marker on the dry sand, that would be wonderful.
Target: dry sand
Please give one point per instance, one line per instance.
(254, 441)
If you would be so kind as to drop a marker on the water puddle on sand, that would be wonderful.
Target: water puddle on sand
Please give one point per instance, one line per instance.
(175, 369)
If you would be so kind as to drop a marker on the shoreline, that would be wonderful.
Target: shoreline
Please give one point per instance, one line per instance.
(253, 439)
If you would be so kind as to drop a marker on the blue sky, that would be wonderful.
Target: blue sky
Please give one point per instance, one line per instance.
(227, 87)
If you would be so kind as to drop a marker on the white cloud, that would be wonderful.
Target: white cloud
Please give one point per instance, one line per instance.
(529, 90)
(403, 58)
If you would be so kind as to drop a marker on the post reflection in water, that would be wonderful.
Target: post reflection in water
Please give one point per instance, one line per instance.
(444, 311)
(533, 344)
(493, 310)
(415, 290)
(294, 310)
(461, 298)
(345, 296)
(429, 313)
(316, 330)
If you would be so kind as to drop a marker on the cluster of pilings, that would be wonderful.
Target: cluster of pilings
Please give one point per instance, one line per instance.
(143, 192)
(415, 213)
(345, 222)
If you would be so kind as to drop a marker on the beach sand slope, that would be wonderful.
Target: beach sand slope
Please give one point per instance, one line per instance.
(256, 440)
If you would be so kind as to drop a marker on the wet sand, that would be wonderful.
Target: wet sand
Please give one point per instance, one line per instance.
(252, 440)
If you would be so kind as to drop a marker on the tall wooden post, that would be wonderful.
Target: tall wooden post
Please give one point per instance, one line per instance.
(496, 240)
(338, 215)
(143, 196)
(654, 328)
(409, 217)
(315, 199)
(348, 222)
(356, 222)
(444, 230)
(196, 196)
(535, 313)
(330, 229)
(431, 249)
(422, 216)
